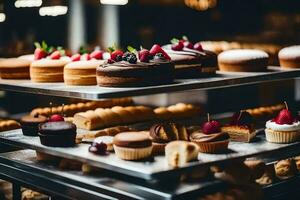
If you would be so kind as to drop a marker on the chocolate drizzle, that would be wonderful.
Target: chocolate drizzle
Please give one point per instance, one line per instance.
(215, 137)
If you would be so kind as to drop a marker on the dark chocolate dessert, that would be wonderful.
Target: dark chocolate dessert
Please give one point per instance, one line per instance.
(30, 124)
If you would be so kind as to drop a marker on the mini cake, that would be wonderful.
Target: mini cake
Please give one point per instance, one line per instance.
(243, 60)
(163, 133)
(81, 72)
(241, 128)
(107, 140)
(30, 124)
(191, 59)
(210, 139)
(14, 68)
(285, 128)
(178, 153)
(132, 145)
(124, 69)
(57, 134)
(289, 57)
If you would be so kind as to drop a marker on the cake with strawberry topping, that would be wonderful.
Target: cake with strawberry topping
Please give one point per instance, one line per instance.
(241, 128)
(134, 68)
(191, 59)
(48, 64)
(82, 69)
(285, 128)
(211, 139)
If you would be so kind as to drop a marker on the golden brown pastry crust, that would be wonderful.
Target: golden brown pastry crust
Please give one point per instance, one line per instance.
(6, 125)
(179, 110)
(285, 168)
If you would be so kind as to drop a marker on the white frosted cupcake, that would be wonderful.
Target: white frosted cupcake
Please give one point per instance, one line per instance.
(283, 129)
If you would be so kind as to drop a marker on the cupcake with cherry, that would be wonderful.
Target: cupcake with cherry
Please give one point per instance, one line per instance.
(82, 68)
(284, 128)
(136, 68)
(48, 64)
(210, 138)
(190, 59)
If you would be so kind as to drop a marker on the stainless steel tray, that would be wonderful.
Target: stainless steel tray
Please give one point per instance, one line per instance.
(155, 168)
(95, 92)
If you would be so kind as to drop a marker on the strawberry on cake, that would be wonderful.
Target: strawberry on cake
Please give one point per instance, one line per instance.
(285, 128)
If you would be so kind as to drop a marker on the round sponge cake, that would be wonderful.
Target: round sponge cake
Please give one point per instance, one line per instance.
(289, 57)
(14, 68)
(243, 60)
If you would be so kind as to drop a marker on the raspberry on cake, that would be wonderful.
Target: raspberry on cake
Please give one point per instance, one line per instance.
(241, 127)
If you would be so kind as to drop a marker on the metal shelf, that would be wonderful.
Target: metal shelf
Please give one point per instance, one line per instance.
(220, 80)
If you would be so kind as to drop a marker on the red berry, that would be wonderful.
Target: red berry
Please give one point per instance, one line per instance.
(144, 55)
(110, 61)
(211, 127)
(198, 46)
(188, 45)
(284, 117)
(85, 56)
(97, 54)
(39, 54)
(56, 118)
(75, 57)
(157, 49)
(55, 55)
(177, 47)
(115, 55)
(98, 148)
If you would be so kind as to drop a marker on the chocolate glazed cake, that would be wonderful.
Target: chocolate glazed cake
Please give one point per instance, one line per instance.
(125, 74)
(192, 63)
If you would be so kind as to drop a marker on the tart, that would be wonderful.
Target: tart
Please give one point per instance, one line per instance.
(125, 70)
(14, 68)
(210, 139)
(241, 128)
(289, 57)
(243, 60)
(191, 60)
(285, 128)
(30, 124)
(132, 145)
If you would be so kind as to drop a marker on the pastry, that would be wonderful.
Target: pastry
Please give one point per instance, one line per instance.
(30, 124)
(285, 128)
(178, 153)
(210, 139)
(44, 157)
(243, 60)
(81, 72)
(6, 125)
(68, 164)
(117, 115)
(132, 145)
(57, 134)
(14, 68)
(265, 111)
(70, 110)
(241, 128)
(124, 70)
(108, 140)
(177, 111)
(47, 70)
(191, 59)
(163, 133)
(285, 169)
(289, 57)
(268, 177)
(257, 168)
(297, 161)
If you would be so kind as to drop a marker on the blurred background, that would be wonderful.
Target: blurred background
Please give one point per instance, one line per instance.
(72, 23)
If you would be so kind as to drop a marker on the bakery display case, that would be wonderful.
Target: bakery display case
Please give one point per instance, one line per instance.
(141, 111)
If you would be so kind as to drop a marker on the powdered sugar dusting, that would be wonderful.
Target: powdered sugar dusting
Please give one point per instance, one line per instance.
(290, 52)
(241, 55)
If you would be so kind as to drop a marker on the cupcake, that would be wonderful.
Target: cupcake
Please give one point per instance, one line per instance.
(30, 124)
(132, 145)
(289, 57)
(210, 139)
(285, 128)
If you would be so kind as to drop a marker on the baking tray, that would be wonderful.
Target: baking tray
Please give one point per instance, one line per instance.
(219, 80)
(101, 182)
(155, 168)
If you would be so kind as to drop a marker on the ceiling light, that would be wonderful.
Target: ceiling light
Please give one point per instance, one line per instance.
(28, 3)
(2, 17)
(114, 2)
(53, 11)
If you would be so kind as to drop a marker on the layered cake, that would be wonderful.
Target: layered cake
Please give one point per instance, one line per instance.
(289, 57)
(243, 60)
(14, 68)
(191, 59)
(126, 69)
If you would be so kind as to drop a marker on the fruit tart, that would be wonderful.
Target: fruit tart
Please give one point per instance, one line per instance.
(134, 68)
(285, 128)
(210, 138)
(191, 59)
(241, 128)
